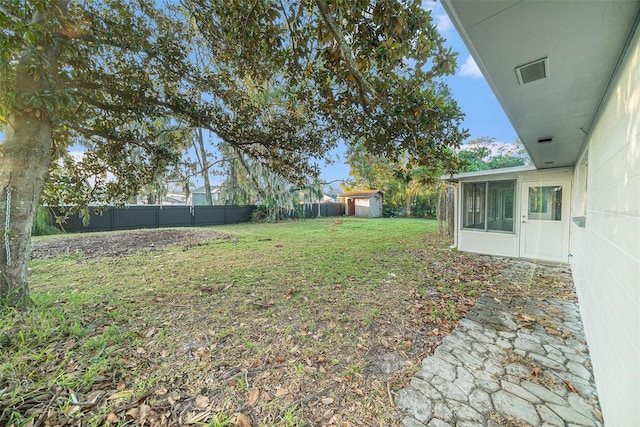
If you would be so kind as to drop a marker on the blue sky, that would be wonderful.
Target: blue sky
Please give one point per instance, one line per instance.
(484, 115)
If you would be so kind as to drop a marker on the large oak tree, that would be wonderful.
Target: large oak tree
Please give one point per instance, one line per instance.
(282, 82)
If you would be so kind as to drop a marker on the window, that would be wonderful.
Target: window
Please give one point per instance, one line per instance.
(474, 209)
(545, 203)
(489, 206)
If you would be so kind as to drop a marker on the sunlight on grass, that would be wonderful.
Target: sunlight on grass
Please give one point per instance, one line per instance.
(284, 308)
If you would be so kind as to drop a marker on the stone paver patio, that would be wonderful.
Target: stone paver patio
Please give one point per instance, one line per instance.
(518, 362)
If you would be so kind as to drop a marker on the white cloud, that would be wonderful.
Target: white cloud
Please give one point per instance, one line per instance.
(444, 23)
(470, 69)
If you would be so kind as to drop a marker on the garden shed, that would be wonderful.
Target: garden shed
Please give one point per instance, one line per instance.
(519, 212)
(363, 203)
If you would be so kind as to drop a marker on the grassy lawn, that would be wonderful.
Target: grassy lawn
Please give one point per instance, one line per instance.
(300, 323)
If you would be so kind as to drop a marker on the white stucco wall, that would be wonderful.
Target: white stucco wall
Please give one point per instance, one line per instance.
(606, 251)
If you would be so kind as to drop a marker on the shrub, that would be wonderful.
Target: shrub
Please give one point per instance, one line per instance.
(42, 223)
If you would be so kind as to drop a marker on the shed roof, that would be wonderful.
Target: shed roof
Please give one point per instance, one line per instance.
(361, 194)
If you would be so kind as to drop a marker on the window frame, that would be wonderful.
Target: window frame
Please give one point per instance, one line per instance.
(485, 208)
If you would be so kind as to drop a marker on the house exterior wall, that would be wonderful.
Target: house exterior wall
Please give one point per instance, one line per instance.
(606, 248)
(501, 243)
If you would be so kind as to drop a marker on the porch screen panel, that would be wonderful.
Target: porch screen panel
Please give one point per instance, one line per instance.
(500, 205)
(474, 202)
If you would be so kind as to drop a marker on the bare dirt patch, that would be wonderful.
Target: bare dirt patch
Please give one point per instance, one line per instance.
(122, 243)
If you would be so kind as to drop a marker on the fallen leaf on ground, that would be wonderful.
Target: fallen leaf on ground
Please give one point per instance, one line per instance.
(112, 418)
(253, 396)
(144, 411)
(133, 413)
(202, 401)
(281, 392)
(242, 421)
(569, 387)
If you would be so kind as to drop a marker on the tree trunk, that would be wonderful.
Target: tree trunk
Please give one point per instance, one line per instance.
(451, 211)
(25, 156)
(205, 167)
(439, 211)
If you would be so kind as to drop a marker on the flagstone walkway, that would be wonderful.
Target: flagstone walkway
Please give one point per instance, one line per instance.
(509, 363)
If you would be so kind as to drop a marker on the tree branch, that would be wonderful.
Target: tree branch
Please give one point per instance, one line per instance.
(346, 53)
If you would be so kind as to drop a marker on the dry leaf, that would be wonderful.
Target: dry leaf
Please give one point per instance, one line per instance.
(536, 372)
(242, 421)
(598, 414)
(144, 411)
(265, 304)
(112, 418)
(124, 395)
(569, 387)
(552, 331)
(327, 400)
(133, 413)
(121, 385)
(202, 401)
(253, 396)
(281, 392)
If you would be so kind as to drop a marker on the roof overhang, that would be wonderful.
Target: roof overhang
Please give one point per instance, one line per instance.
(488, 173)
(549, 64)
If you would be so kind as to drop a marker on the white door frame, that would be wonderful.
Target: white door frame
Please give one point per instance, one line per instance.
(543, 237)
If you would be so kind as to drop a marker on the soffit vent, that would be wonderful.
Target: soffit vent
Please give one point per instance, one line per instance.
(533, 71)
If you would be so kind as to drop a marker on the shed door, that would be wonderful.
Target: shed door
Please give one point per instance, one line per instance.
(545, 220)
(351, 207)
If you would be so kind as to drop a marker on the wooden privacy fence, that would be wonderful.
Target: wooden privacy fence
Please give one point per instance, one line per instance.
(156, 216)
